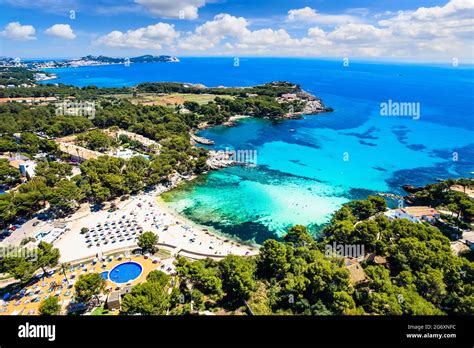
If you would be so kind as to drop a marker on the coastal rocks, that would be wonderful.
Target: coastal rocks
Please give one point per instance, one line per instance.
(201, 140)
(390, 195)
(411, 199)
(228, 124)
(219, 159)
(315, 107)
(312, 104)
(411, 188)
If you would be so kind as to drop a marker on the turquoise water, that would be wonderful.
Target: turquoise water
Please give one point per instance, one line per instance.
(307, 168)
(104, 275)
(125, 272)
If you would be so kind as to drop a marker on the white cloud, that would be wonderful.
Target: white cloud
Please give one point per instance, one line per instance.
(353, 33)
(453, 20)
(309, 15)
(434, 33)
(61, 30)
(182, 9)
(264, 38)
(212, 32)
(16, 31)
(150, 37)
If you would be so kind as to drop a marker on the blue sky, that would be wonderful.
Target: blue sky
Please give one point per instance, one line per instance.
(430, 30)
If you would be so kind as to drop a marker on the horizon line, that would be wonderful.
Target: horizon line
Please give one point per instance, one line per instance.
(355, 59)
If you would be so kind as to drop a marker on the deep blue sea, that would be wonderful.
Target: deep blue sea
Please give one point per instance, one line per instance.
(307, 168)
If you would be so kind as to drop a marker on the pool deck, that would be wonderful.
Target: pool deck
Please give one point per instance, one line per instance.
(32, 308)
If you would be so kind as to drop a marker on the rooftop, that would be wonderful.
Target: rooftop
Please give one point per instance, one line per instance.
(420, 211)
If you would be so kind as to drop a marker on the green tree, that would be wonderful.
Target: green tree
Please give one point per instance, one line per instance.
(65, 196)
(237, 274)
(148, 298)
(53, 171)
(18, 267)
(88, 286)
(299, 236)
(271, 261)
(47, 256)
(50, 306)
(9, 176)
(147, 242)
(158, 277)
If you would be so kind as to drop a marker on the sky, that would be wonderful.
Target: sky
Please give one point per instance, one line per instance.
(423, 30)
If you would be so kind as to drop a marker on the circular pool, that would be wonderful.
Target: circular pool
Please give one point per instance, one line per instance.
(125, 272)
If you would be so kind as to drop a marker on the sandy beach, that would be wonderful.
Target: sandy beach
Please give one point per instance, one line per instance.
(120, 229)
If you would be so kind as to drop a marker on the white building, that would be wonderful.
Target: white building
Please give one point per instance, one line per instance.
(414, 214)
(28, 169)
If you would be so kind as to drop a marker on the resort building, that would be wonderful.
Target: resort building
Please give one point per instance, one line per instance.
(288, 96)
(29, 100)
(26, 166)
(78, 153)
(468, 239)
(376, 259)
(126, 154)
(356, 272)
(147, 143)
(28, 169)
(114, 300)
(414, 214)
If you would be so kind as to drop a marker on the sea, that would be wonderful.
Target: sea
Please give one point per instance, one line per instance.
(393, 124)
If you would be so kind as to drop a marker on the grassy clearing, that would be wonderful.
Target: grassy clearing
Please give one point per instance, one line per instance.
(101, 311)
(169, 99)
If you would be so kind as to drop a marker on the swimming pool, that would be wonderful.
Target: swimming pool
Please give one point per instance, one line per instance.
(125, 272)
(105, 275)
